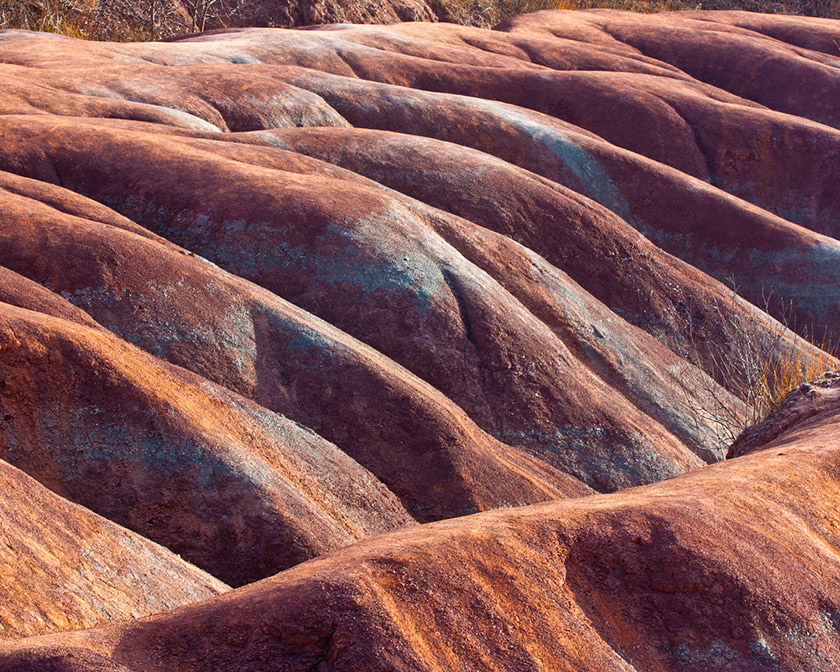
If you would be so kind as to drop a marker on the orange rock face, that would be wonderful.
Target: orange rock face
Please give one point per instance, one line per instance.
(279, 300)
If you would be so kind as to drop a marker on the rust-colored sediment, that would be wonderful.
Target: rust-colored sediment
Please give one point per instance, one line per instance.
(733, 567)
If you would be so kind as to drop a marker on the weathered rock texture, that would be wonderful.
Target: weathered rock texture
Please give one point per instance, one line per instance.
(265, 294)
(62, 567)
(236, 489)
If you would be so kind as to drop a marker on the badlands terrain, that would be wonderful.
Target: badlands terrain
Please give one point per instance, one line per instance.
(407, 347)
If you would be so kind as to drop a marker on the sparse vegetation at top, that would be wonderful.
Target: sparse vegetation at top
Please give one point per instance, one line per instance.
(51, 16)
(117, 20)
(133, 20)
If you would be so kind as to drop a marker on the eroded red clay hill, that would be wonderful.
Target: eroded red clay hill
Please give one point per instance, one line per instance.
(265, 294)
(733, 567)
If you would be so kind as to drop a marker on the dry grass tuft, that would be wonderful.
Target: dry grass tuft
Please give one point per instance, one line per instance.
(50, 16)
(760, 363)
(111, 20)
(794, 369)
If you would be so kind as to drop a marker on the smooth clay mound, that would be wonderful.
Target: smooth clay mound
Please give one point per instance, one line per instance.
(275, 299)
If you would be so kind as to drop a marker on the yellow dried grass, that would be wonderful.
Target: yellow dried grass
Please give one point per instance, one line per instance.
(795, 368)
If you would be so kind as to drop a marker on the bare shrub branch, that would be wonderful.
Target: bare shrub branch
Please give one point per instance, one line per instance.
(759, 362)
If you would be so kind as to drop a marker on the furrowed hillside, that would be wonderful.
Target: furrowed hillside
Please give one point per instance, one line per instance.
(422, 338)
